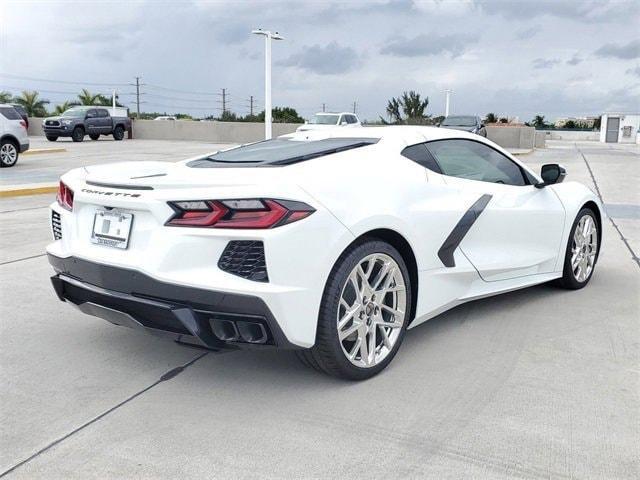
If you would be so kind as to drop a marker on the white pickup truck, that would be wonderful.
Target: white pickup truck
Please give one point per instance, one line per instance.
(324, 120)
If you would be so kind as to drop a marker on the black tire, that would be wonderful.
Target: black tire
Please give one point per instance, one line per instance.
(94, 136)
(568, 279)
(327, 355)
(78, 134)
(52, 138)
(118, 132)
(9, 153)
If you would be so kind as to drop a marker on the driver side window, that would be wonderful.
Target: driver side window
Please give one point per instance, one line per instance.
(475, 161)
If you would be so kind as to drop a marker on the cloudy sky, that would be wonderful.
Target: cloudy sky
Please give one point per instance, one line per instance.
(516, 58)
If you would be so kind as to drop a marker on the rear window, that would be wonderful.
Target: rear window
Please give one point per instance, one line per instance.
(10, 113)
(279, 152)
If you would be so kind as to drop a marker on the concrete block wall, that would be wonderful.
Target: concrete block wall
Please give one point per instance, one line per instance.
(240, 132)
(514, 137)
(570, 135)
(217, 132)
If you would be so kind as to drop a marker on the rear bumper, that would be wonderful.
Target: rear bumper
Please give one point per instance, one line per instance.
(198, 317)
(24, 147)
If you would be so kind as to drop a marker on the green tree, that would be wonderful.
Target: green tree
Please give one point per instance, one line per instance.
(491, 118)
(62, 107)
(538, 121)
(409, 108)
(569, 124)
(282, 115)
(5, 97)
(34, 106)
(87, 98)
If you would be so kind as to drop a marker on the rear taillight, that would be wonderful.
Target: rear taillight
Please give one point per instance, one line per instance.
(65, 196)
(24, 124)
(244, 213)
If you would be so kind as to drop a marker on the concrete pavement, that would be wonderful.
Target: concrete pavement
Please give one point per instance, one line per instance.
(539, 383)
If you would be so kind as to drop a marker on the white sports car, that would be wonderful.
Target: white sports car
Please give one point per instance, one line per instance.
(330, 243)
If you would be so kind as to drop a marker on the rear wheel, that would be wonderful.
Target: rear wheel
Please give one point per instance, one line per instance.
(78, 134)
(118, 132)
(582, 251)
(363, 314)
(52, 138)
(94, 136)
(8, 153)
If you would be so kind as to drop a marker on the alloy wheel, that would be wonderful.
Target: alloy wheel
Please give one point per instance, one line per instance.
(584, 248)
(372, 310)
(8, 154)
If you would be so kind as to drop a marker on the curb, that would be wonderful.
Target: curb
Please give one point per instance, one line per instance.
(20, 191)
(38, 151)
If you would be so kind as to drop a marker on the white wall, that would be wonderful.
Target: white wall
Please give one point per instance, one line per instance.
(571, 135)
(626, 120)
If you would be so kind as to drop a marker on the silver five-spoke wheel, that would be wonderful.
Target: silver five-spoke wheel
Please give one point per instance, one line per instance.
(584, 248)
(372, 310)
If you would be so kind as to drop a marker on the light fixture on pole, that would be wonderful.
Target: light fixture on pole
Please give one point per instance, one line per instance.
(447, 93)
(268, 36)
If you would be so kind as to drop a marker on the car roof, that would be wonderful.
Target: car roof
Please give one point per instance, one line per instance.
(335, 113)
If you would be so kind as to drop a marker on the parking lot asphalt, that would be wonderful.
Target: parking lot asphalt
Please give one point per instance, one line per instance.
(538, 383)
(47, 167)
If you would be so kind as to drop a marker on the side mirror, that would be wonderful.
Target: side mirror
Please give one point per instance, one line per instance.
(551, 173)
(482, 125)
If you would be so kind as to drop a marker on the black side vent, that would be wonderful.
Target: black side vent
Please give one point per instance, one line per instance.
(56, 225)
(245, 259)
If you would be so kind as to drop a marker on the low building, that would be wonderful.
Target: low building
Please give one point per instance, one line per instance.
(616, 127)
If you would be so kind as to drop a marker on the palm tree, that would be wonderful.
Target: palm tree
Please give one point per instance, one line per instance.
(5, 97)
(491, 118)
(393, 110)
(87, 98)
(538, 121)
(412, 107)
(61, 108)
(32, 104)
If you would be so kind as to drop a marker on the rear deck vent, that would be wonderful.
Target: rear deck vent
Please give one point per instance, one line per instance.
(56, 225)
(245, 259)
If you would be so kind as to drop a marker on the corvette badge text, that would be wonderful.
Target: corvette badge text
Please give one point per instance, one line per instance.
(114, 194)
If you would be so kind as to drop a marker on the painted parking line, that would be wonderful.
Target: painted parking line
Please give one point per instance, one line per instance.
(29, 189)
(38, 151)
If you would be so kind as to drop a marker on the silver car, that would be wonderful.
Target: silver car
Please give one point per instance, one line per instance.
(13, 135)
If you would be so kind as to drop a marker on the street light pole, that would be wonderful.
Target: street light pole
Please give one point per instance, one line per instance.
(447, 101)
(268, 36)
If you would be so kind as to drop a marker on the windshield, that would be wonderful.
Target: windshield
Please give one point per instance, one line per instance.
(280, 151)
(462, 121)
(74, 112)
(324, 120)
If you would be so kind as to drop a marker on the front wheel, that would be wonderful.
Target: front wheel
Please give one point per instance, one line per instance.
(78, 134)
(582, 251)
(8, 153)
(363, 314)
(118, 132)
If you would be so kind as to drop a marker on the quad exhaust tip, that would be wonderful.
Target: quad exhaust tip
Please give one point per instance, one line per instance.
(240, 330)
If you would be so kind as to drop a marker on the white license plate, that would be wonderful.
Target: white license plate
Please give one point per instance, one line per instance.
(111, 228)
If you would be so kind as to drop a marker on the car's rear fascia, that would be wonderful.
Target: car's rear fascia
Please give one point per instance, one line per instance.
(299, 257)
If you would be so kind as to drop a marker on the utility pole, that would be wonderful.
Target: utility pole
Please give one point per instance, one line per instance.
(251, 105)
(138, 97)
(224, 100)
(447, 101)
(323, 107)
(354, 107)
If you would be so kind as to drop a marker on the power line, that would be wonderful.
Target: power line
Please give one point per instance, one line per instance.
(33, 79)
(150, 85)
